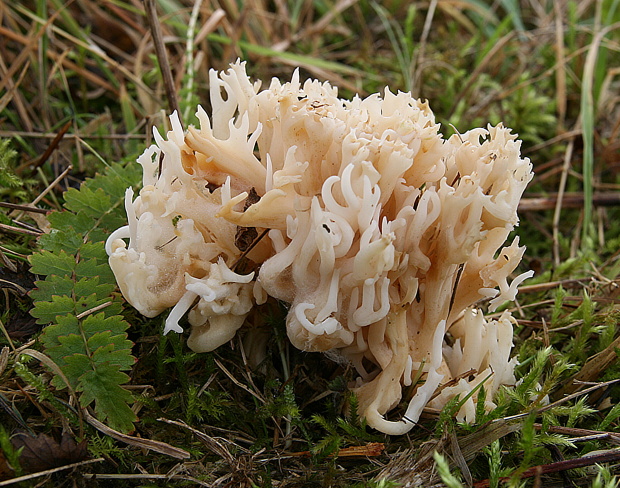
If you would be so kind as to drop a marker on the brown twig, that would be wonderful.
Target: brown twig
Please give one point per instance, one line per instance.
(582, 434)
(19, 230)
(25, 208)
(604, 457)
(372, 449)
(162, 56)
(569, 200)
(54, 144)
(573, 283)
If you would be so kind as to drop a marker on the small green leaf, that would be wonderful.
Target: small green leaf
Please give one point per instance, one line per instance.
(57, 240)
(93, 268)
(52, 285)
(67, 221)
(102, 386)
(47, 263)
(93, 203)
(47, 312)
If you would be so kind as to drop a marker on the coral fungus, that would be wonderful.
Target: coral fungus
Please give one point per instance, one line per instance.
(381, 235)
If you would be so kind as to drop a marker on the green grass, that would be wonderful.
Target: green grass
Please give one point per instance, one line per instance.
(547, 69)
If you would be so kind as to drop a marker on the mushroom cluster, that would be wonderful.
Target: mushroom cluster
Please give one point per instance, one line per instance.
(379, 234)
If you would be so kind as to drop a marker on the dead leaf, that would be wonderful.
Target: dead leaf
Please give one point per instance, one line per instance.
(44, 452)
(21, 325)
(16, 278)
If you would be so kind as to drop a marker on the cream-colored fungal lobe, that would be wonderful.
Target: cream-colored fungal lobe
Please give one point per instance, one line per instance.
(381, 235)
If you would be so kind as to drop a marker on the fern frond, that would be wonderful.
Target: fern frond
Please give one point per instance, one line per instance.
(7, 158)
(86, 334)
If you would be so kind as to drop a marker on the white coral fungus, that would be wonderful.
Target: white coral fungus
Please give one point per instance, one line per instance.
(380, 234)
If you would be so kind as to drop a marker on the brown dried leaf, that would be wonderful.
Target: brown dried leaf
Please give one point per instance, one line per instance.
(43, 452)
(21, 325)
(19, 280)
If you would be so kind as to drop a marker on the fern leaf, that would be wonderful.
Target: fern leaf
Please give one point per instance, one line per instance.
(93, 203)
(54, 285)
(47, 263)
(48, 311)
(91, 349)
(70, 222)
(67, 240)
(101, 385)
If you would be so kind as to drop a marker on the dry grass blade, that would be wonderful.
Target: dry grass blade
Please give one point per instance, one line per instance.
(497, 48)
(30, 45)
(238, 383)
(48, 472)
(214, 445)
(558, 206)
(592, 369)
(321, 24)
(13, 94)
(459, 459)
(372, 449)
(157, 446)
(52, 185)
(560, 73)
(146, 476)
(473, 443)
(415, 467)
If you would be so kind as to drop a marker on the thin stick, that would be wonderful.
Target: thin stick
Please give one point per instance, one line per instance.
(563, 400)
(569, 200)
(45, 192)
(19, 230)
(162, 56)
(554, 284)
(54, 144)
(25, 208)
(238, 383)
(60, 177)
(93, 310)
(49, 471)
(609, 456)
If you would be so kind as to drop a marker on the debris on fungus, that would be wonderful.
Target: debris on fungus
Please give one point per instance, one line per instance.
(380, 235)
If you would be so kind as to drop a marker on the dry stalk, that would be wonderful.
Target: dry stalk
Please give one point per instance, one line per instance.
(162, 56)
